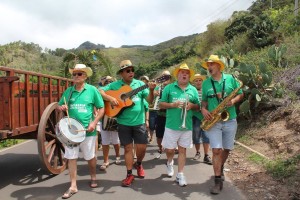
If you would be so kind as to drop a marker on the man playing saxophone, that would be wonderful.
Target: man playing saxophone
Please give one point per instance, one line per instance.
(179, 98)
(219, 92)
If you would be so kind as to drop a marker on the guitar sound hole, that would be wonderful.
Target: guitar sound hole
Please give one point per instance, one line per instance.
(123, 97)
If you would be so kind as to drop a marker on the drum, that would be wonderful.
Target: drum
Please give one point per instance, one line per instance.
(109, 124)
(70, 135)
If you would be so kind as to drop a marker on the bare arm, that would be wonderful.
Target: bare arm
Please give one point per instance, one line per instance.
(106, 97)
(99, 114)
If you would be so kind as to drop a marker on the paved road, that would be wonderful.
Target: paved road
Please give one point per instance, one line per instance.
(22, 178)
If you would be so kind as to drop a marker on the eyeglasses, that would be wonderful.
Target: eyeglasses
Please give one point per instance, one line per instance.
(78, 74)
(107, 82)
(129, 70)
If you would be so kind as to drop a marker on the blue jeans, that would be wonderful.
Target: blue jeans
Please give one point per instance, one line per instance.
(199, 135)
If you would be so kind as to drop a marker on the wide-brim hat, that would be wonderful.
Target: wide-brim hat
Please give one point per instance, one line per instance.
(144, 78)
(124, 64)
(82, 68)
(198, 76)
(183, 67)
(215, 59)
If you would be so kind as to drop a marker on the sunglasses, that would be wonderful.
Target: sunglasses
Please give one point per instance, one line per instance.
(78, 74)
(129, 70)
(107, 82)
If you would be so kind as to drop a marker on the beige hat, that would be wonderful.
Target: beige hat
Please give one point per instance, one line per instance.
(166, 72)
(82, 68)
(184, 67)
(215, 59)
(198, 76)
(144, 78)
(124, 64)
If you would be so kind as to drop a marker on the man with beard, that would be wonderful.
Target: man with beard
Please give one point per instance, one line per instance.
(221, 134)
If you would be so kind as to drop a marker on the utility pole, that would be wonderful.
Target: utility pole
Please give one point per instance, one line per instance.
(296, 7)
(271, 4)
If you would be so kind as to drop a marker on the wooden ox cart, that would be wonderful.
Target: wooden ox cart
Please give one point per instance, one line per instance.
(28, 103)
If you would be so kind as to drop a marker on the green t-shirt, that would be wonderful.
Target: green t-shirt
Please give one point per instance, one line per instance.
(81, 104)
(171, 93)
(208, 94)
(133, 115)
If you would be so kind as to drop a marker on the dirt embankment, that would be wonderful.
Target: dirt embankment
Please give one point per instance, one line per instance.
(276, 134)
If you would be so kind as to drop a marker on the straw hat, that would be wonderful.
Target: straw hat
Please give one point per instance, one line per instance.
(183, 67)
(145, 78)
(124, 64)
(82, 68)
(215, 59)
(198, 76)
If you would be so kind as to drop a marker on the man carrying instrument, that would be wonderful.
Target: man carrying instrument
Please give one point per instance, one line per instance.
(179, 98)
(131, 120)
(109, 135)
(161, 114)
(221, 135)
(79, 101)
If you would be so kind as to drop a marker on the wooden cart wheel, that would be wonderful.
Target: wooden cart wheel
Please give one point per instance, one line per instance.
(50, 149)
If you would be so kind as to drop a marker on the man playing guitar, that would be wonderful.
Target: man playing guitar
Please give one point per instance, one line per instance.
(131, 119)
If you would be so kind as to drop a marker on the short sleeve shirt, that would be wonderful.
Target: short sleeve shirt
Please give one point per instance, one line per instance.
(172, 93)
(209, 96)
(133, 115)
(81, 104)
(197, 113)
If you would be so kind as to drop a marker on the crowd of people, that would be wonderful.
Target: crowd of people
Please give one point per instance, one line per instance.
(128, 112)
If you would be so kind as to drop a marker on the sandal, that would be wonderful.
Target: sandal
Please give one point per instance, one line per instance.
(104, 166)
(68, 193)
(93, 184)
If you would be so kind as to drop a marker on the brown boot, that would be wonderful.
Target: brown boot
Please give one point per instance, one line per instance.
(217, 187)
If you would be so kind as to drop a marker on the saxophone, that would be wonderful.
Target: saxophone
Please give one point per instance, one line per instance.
(220, 112)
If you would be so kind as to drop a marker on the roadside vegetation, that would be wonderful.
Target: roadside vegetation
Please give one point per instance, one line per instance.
(260, 46)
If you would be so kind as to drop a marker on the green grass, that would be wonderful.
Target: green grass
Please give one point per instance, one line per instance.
(282, 168)
(257, 159)
(9, 143)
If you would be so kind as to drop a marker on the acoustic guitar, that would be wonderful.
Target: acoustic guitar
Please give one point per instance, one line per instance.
(123, 96)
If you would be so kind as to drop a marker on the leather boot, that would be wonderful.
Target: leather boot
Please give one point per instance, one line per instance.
(222, 173)
(217, 187)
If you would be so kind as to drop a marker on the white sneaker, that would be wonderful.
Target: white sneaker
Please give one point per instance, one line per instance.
(170, 169)
(180, 179)
(118, 160)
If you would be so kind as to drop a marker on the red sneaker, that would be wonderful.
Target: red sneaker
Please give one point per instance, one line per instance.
(140, 171)
(128, 180)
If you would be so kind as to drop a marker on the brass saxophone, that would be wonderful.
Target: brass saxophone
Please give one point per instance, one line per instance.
(220, 112)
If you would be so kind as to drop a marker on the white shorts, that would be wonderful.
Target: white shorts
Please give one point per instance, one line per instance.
(87, 147)
(174, 138)
(110, 137)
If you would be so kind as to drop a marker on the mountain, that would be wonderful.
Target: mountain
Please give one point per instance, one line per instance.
(89, 46)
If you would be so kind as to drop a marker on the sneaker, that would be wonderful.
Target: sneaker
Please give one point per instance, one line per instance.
(158, 155)
(140, 170)
(180, 179)
(197, 156)
(128, 180)
(170, 169)
(118, 160)
(207, 160)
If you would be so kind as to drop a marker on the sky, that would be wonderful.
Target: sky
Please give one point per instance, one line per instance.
(68, 23)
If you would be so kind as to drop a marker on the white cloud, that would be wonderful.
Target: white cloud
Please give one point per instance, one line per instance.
(67, 24)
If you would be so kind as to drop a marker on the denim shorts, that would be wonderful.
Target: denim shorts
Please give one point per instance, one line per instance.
(199, 136)
(152, 120)
(130, 134)
(222, 134)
